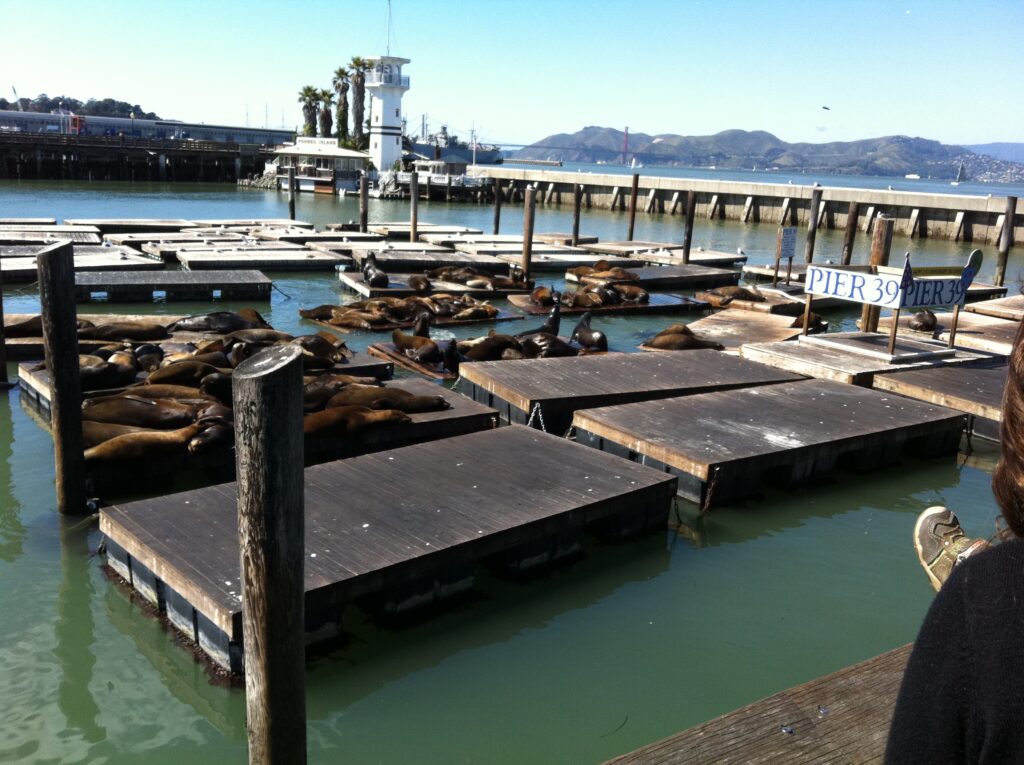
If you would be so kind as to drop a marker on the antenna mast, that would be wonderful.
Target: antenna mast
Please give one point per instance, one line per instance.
(388, 44)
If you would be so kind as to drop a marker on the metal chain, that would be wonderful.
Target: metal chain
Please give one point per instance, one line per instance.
(539, 414)
(711, 491)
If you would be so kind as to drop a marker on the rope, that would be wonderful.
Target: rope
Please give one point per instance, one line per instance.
(711, 491)
(274, 286)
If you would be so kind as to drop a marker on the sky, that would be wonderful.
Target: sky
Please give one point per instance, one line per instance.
(520, 70)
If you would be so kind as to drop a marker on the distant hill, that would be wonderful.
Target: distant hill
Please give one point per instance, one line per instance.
(106, 107)
(1010, 152)
(742, 150)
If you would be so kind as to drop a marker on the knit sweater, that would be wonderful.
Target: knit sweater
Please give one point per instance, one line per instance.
(962, 697)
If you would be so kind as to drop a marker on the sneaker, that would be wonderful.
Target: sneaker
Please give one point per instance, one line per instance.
(941, 544)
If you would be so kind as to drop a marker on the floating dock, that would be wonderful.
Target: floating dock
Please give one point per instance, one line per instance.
(833, 362)
(130, 225)
(248, 223)
(169, 250)
(733, 329)
(390, 353)
(121, 286)
(667, 254)
(667, 277)
(773, 303)
(546, 392)
(402, 229)
(410, 529)
(307, 236)
(975, 331)
(41, 238)
(557, 237)
(398, 286)
(137, 240)
(840, 718)
(659, 302)
(32, 348)
(555, 261)
(976, 391)
(24, 269)
(435, 322)
(269, 260)
(724, 444)
(1002, 308)
(419, 260)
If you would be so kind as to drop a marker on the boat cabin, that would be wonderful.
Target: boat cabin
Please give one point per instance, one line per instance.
(320, 165)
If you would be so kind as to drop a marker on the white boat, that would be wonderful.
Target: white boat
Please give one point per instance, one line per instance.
(959, 175)
(912, 177)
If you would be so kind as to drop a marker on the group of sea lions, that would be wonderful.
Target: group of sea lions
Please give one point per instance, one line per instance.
(374, 312)
(374, 276)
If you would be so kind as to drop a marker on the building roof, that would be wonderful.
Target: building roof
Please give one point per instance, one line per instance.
(318, 147)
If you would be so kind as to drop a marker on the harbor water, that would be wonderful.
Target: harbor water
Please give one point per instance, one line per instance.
(631, 643)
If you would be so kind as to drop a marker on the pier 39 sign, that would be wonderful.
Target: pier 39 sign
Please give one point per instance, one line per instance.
(942, 286)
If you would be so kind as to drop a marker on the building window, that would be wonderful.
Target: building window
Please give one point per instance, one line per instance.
(396, 112)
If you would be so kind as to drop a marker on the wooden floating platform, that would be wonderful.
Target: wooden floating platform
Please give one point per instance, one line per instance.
(130, 225)
(667, 277)
(398, 286)
(975, 331)
(555, 262)
(435, 322)
(831, 362)
(305, 236)
(410, 535)
(976, 391)
(450, 240)
(402, 229)
(123, 286)
(28, 222)
(840, 718)
(57, 231)
(248, 223)
(1002, 308)
(418, 261)
(557, 237)
(559, 387)
(667, 254)
(722, 445)
(390, 353)
(734, 329)
(41, 238)
(136, 240)
(24, 269)
(22, 348)
(773, 304)
(660, 302)
(269, 260)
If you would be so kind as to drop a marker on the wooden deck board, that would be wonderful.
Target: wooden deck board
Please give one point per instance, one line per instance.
(401, 229)
(666, 253)
(398, 286)
(1002, 308)
(176, 285)
(660, 302)
(247, 222)
(667, 277)
(389, 352)
(788, 432)
(413, 261)
(42, 238)
(735, 328)
(24, 269)
(274, 260)
(843, 717)
(129, 225)
(975, 331)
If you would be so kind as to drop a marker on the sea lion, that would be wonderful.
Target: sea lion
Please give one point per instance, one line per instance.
(148, 356)
(542, 296)
(512, 354)
(255, 336)
(387, 398)
(551, 325)
(422, 326)
(679, 337)
(631, 293)
(923, 321)
(590, 339)
(491, 347)
(182, 393)
(184, 373)
(220, 322)
(543, 345)
(581, 299)
(322, 312)
(728, 294)
(33, 327)
(616, 274)
(124, 330)
(322, 346)
(144, 444)
(160, 414)
(417, 347)
(240, 352)
(419, 283)
(316, 395)
(451, 357)
(815, 323)
(94, 433)
(349, 419)
(217, 433)
(217, 386)
(476, 312)
(373, 274)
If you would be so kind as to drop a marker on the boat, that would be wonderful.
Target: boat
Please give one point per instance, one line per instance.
(912, 177)
(959, 175)
(450, 149)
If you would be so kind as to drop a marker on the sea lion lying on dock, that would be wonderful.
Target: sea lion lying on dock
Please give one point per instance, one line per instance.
(923, 321)
(124, 409)
(543, 296)
(417, 347)
(94, 433)
(419, 283)
(551, 325)
(33, 327)
(581, 271)
(185, 372)
(726, 295)
(543, 345)
(221, 322)
(387, 398)
(124, 330)
(631, 293)
(679, 337)
(201, 436)
(349, 419)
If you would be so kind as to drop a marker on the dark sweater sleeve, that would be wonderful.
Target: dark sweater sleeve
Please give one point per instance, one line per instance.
(931, 717)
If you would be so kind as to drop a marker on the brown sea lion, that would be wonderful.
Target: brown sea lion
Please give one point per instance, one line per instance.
(581, 299)
(616, 274)
(124, 330)
(349, 419)
(323, 346)
(218, 386)
(148, 356)
(316, 395)
(419, 283)
(105, 375)
(144, 444)
(476, 312)
(451, 357)
(94, 433)
(160, 414)
(387, 398)
(322, 312)
(728, 294)
(542, 296)
(184, 373)
(220, 322)
(512, 354)
(545, 346)
(183, 393)
(255, 336)
(490, 348)
(373, 274)
(217, 433)
(923, 321)
(420, 348)
(551, 325)
(33, 327)
(631, 293)
(681, 341)
(589, 338)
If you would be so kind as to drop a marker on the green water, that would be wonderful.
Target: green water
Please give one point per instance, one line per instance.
(631, 644)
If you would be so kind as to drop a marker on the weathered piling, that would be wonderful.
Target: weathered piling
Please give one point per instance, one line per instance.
(267, 393)
(812, 224)
(851, 232)
(881, 243)
(56, 268)
(529, 206)
(497, 205)
(691, 210)
(291, 193)
(1005, 240)
(633, 192)
(577, 202)
(4, 382)
(414, 204)
(364, 205)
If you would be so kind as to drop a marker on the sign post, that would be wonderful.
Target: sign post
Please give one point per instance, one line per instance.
(785, 247)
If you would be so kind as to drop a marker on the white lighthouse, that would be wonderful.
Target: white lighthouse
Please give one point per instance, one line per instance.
(386, 85)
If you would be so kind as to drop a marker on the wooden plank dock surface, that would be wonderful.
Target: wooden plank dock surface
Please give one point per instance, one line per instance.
(557, 237)
(268, 260)
(723, 444)
(841, 718)
(248, 222)
(450, 240)
(410, 516)
(667, 277)
(28, 221)
(129, 225)
(978, 391)
(667, 254)
(733, 329)
(975, 331)
(561, 386)
(120, 286)
(417, 261)
(305, 236)
(1002, 308)
(401, 229)
(398, 286)
(390, 353)
(559, 261)
(41, 237)
(24, 269)
(136, 240)
(56, 230)
(660, 302)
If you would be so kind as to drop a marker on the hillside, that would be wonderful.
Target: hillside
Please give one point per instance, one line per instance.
(1010, 152)
(742, 150)
(106, 107)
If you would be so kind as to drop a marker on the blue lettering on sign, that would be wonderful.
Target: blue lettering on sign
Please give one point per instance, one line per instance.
(840, 282)
(814, 276)
(857, 287)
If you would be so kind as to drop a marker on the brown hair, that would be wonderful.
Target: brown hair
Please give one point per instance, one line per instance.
(1008, 478)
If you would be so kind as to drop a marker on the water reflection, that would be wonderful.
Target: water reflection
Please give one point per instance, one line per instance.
(12, 530)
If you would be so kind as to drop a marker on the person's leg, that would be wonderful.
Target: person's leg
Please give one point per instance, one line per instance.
(941, 544)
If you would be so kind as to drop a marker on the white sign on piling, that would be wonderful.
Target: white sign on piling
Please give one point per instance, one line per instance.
(788, 247)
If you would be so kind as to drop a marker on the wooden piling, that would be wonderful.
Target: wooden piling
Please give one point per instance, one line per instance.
(1005, 240)
(267, 392)
(528, 210)
(851, 232)
(497, 205)
(881, 243)
(414, 202)
(291, 192)
(691, 211)
(4, 382)
(56, 269)
(577, 202)
(812, 223)
(364, 207)
(633, 191)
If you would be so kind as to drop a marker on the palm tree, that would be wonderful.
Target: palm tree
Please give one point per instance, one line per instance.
(358, 67)
(308, 97)
(340, 85)
(326, 121)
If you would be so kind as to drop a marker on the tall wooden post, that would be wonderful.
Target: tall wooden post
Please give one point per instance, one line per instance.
(267, 393)
(56, 273)
(577, 202)
(852, 213)
(364, 203)
(414, 201)
(1005, 240)
(691, 211)
(529, 205)
(881, 243)
(448, 188)
(497, 205)
(291, 192)
(4, 382)
(633, 192)
(812, 224)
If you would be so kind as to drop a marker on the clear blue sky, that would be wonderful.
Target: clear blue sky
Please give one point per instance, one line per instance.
(523, 69)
